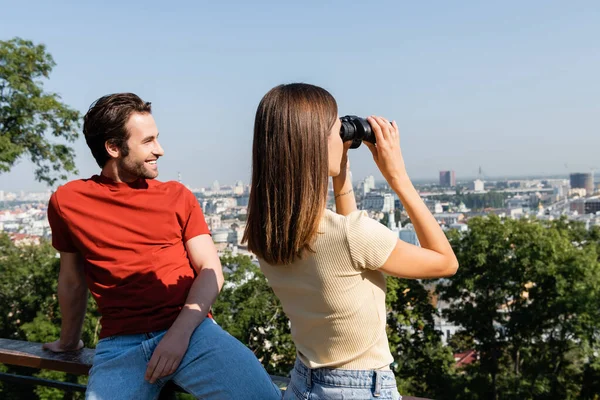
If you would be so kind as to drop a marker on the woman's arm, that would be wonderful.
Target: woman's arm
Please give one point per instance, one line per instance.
(345, 202)
(435, 258)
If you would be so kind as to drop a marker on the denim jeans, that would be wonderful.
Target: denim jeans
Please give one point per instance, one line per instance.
(215, 366)
(337, 384)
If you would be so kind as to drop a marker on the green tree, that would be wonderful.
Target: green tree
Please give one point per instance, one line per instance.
(249, 310)
(28, 277)
(423, 365)
(29, 304)
(461, 341)
(527, 292)
(28, 114)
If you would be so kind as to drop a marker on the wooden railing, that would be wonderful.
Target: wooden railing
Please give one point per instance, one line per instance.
(31, 354)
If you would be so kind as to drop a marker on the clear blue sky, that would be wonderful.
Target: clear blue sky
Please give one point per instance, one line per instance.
(512, 86)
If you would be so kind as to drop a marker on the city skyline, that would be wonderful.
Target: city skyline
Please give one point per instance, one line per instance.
(460, 181)
(510, 86)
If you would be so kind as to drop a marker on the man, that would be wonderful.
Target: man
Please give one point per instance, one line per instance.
(146, 253)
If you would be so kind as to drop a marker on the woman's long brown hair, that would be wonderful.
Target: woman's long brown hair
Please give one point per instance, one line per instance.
(289, 171)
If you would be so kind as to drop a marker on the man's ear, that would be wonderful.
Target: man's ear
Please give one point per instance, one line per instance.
(112, 149)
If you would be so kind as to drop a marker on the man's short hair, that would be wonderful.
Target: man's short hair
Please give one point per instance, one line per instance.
(106, 120)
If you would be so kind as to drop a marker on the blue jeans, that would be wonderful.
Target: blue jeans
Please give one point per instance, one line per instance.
(334, 384)
(215, 366)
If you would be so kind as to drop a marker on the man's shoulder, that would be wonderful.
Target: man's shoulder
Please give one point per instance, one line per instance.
(173, 187)
(75, 186)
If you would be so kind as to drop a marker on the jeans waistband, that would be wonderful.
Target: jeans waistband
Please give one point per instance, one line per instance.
(366, 379)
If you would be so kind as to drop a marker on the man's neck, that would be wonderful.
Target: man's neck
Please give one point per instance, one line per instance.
(111, 171)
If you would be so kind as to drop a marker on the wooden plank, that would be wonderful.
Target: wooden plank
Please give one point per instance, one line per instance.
(31, 354)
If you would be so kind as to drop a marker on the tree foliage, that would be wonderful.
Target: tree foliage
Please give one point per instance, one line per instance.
(528, 293)
(28, 114)
(29, 311)
(248, 309)
(423, 365)
(526, 297)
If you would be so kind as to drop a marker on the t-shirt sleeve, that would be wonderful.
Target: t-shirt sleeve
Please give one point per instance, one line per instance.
(194, 223)
(370, 242)
(61, 236)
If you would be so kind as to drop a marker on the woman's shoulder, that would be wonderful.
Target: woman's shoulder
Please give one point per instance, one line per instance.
(368, 241)
(358, 220)
(356, 223)
(353, 217)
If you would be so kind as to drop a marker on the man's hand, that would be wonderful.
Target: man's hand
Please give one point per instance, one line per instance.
(167, 355)
(57, 347)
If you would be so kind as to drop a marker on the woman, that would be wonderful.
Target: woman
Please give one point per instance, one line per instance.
(328, 268)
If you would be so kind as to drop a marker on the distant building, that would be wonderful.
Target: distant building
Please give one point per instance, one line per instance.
(235, 235)
(380, 202)
(559, 192)
(213, 221)
(585, 206)
(242, 201)
(449, 218)
(523, 201)
(592, 206)
(582, 181)
(478, 185)
(392, 221)
(21, 239)
(442, 324)
(447, 179)
(459, 226)
(367, 185)
(220, 238)
(465, 358)
(238, 189)
(370, 180)
(408, 235)
(513, 213)
(434, 206)
(516, 202)
(577, 192)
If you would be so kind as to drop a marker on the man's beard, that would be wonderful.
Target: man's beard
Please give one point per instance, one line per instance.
(135, 170)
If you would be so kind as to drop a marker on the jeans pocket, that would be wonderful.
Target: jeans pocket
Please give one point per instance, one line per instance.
(106, 348)
(389, 394)
(293, 392)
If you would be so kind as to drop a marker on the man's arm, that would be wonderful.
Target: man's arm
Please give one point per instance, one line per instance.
(203, 293)
(72, 299)
(206, 287)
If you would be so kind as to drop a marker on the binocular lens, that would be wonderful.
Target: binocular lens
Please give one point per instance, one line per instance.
(356, 129)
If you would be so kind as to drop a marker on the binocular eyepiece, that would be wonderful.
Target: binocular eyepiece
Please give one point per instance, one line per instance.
(356, 129)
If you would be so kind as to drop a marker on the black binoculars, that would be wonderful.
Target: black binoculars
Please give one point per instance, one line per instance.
(356, 129)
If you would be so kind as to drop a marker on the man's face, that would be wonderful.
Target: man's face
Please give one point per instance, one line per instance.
(143, 148)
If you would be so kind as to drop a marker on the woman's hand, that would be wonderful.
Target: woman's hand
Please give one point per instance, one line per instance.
(386, 152)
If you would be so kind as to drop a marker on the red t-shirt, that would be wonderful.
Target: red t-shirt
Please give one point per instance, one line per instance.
(131, 236)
